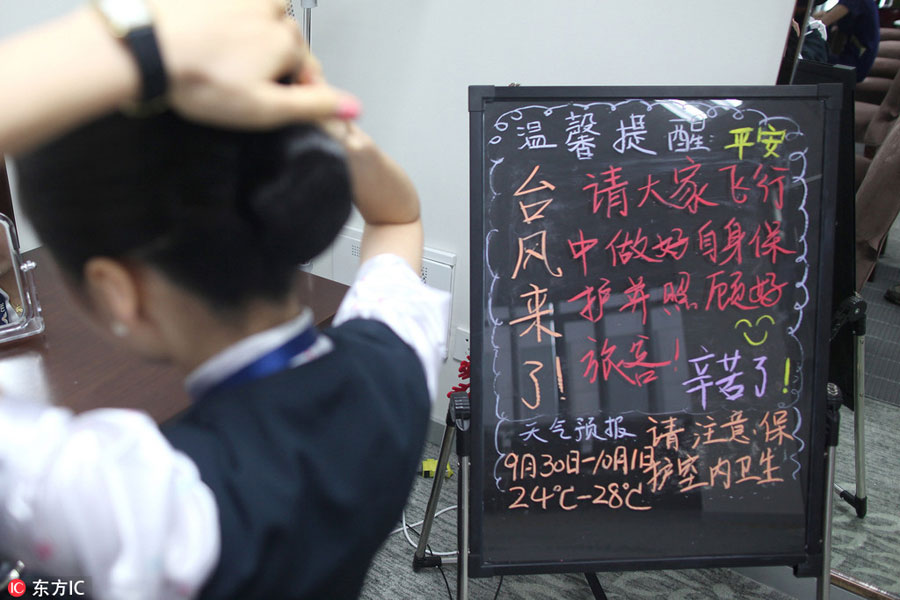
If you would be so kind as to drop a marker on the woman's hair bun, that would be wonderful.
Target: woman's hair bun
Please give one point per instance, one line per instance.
(225, 214)
(298, 200)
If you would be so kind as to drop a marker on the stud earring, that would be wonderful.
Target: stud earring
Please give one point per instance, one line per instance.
(119, 329)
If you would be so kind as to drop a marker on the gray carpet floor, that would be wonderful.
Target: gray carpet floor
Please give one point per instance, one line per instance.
(868, 549)
(882, 337)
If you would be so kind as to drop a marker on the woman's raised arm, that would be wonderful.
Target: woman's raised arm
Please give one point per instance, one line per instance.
(223, 60)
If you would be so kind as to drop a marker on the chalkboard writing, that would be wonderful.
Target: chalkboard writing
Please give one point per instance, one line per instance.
(646, 275)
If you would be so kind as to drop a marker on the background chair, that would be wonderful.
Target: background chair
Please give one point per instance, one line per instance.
(861, 168)
(872, 123)
(887, 63)
(890, 33)
(877, 205)
(885, 67)
(889, 48)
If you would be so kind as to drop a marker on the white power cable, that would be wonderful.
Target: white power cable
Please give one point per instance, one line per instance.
(405, 529)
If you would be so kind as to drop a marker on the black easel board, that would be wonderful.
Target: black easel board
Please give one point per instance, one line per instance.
(842, 367)
(650, 300)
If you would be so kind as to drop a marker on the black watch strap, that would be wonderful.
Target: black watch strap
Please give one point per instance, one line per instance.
(144, 47)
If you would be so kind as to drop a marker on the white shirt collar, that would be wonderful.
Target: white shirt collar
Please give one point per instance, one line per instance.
(242, 353)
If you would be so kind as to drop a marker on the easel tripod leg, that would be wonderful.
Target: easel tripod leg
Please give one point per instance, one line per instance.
(462, 573)
(596, 588)
(419, 559)
(857, 321)
(823, 582)
(832, 427)
(859, 500)
(458, 416)
(859, 426)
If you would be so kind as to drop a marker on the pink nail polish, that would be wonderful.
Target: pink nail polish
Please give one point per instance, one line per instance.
(348, 108)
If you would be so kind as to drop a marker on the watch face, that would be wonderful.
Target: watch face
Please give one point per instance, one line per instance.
(125, 15)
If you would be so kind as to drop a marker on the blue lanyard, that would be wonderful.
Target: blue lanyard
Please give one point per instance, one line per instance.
(270, 363)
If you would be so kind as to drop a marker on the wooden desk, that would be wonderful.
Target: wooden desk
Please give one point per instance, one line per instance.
(72, 364)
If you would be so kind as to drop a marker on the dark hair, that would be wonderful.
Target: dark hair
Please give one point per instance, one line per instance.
(227, 215)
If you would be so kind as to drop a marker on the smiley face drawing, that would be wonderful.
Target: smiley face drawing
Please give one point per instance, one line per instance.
(753, 330)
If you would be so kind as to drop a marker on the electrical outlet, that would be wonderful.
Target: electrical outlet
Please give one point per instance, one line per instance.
(345, 256)
(461, 344)
(437, 265)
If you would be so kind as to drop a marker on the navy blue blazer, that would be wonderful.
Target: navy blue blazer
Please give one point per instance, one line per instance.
(310, 467)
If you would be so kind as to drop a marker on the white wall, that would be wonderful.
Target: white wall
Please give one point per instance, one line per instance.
(16, 15)
(411, 61)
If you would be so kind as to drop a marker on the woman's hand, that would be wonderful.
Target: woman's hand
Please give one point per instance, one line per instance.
(225, 57)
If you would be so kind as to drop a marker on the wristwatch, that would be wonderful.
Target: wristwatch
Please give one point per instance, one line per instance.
(132, 22)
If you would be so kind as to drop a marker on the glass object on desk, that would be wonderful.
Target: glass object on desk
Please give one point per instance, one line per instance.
(20, 311)
(10, 571)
